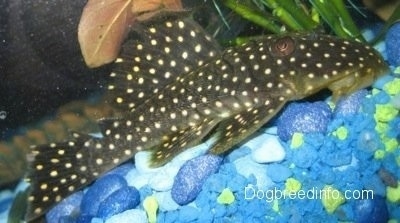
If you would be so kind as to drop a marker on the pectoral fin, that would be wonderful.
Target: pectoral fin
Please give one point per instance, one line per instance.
(237, 128)
(180, 140)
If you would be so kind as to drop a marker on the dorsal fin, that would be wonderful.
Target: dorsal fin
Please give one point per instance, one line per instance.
(164, 48)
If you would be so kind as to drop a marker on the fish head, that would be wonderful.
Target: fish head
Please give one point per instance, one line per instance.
(307, 63)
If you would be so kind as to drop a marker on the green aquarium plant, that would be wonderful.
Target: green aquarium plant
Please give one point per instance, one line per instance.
(279, 16)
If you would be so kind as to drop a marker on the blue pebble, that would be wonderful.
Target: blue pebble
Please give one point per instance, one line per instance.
(68, 219)
(345, 212)
(121, 200)
(278, 172)
(393, 44)
(214, 183)
(188, 214)
(368, 106)
(295, 217)
(84, 219)
(205, 216)
(67, 207)
(381, 98)
(304, 157)
(303, 117)
(394, 128)
(338, 157)
(99, 191)
(322, 172)
(237, 183)
(374, 183)
(97, 220)
(394, 211)
(165, 202)
(238, 153)
(203, 199)
(133, 215)
(219, 211)
(191, 177)
(371, 210)
(368, 141)
(382, 80)
(351, 104)
(170, 217)
(389, 163)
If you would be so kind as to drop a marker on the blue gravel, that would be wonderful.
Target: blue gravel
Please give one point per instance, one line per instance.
(392, 44)
(99, 192)
(134, 215)
(278, 172)
(121, 200)
(190, 178)
(188, 214)
(67, 207)
(83, 219)
(351, 104)
(371, 210)
(305, 157)
(303, 117)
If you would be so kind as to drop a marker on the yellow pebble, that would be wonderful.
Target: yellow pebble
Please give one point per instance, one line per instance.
(391, 144)
(341, 133)
(381, 127)
(385, 112)
(275, 206)
(331, 199)
(297, 140)
(392, 87)
(375, 91)
(226, 197)
(393, 194)
(150, 205)
(292, 185)
(379, 154)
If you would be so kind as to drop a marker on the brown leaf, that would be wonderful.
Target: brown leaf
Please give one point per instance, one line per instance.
(145, 9)
(102, 28)
(104, 24)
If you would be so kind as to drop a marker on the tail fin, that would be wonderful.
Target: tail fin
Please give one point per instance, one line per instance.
(58, 170)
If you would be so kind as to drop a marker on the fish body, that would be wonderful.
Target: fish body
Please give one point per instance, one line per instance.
(178, 88)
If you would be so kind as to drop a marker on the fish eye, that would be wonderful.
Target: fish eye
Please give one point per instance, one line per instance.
(282, 46)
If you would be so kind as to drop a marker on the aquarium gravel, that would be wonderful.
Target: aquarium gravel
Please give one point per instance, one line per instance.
(351, 156)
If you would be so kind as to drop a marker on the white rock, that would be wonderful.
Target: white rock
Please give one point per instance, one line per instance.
(133, 215)
(162, 180)
(273, 130)
(137, 180)
(165, 201)
(245, 166)
(266, 148)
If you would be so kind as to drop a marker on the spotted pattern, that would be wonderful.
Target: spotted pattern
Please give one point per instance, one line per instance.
(176, 88)
(156, 57)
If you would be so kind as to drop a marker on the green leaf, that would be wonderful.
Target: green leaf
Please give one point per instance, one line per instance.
(254, 15)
